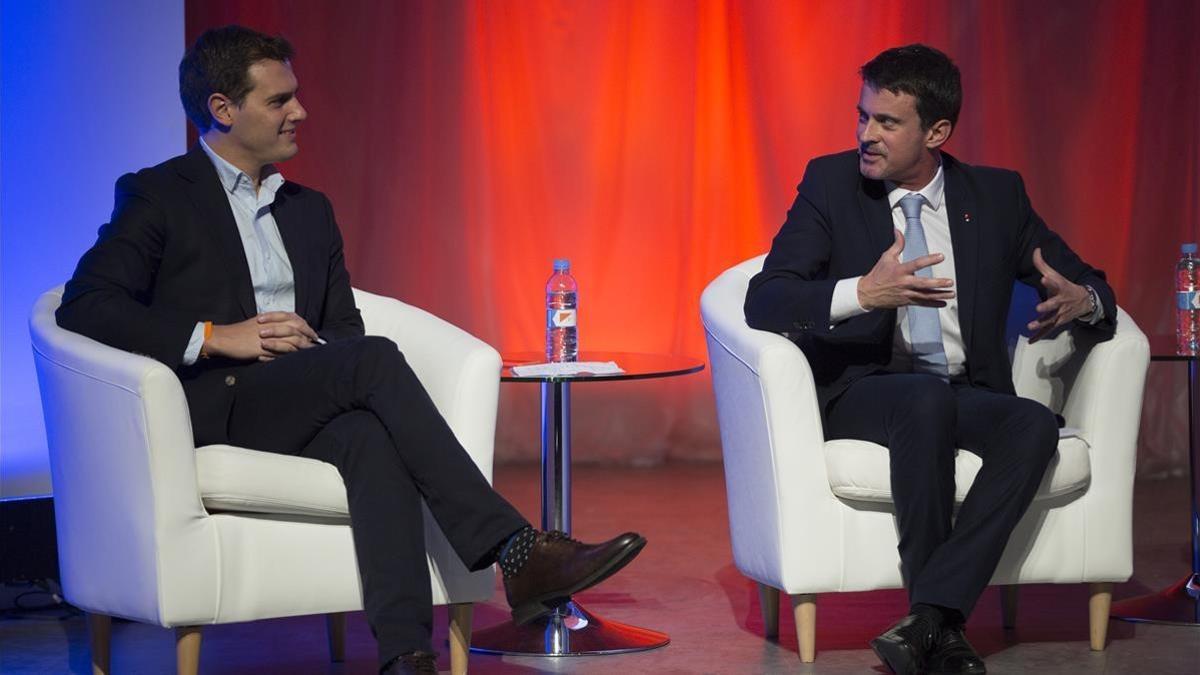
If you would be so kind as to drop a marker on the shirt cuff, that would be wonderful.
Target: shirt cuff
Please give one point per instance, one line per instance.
(194, 344)
(844, 304)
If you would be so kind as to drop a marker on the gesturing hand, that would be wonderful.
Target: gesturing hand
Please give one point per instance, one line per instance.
(284, 332)
(891, 283)
(1065, 300)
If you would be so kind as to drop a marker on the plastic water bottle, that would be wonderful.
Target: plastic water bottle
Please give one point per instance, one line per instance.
(1187, 302)
(562, 329)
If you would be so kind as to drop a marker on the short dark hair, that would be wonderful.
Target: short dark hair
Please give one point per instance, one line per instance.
(925, 73)
(219, 62)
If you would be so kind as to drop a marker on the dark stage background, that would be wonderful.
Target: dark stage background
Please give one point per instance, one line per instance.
(656, 143)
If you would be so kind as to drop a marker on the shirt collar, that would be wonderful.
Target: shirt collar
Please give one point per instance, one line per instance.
(231, 176)
(932, 192)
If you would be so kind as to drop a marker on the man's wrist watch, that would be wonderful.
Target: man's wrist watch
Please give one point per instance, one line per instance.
(1094, 300)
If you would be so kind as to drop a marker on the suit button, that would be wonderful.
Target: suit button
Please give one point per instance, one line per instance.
(230, 380)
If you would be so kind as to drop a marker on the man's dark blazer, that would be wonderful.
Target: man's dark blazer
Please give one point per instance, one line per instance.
(840, 224)
(172, 256)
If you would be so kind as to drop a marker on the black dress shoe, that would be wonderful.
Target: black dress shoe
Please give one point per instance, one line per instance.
(954, 655)
(906, 645)
(554, 567)
(412, 663)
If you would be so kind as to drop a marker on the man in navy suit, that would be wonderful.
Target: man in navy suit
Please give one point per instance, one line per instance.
(893, 273)
(217, 266)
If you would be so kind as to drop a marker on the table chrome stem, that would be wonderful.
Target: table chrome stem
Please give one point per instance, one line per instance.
(556, 456)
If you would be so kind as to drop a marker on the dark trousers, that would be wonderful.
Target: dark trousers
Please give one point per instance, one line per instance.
(357, 405)
(922, 420)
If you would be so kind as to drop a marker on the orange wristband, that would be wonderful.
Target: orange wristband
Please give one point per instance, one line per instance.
(207, 335)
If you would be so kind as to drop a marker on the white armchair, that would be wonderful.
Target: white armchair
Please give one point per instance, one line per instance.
(809, 516)
(154, 529)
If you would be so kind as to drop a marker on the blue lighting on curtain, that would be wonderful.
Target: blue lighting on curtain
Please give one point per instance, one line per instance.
(87, 92)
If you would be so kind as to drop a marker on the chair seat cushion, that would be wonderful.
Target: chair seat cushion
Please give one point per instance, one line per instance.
(237, 479)
(858, 470)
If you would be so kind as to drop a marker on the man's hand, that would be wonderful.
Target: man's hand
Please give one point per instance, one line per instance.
(262, 337)
(238, 341)
(284, 332)
(892, 284)
(1065, 301)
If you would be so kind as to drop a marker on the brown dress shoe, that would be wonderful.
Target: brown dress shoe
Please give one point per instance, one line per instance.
(412, 663)
(557, 567)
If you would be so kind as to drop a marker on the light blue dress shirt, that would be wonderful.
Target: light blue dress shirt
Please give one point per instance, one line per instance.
(270, 269)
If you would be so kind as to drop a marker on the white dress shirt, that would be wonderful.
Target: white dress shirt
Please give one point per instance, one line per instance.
(936, 222)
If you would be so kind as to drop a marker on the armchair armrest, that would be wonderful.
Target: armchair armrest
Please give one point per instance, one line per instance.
(771, 435)
(1097, 388)
(127, 504)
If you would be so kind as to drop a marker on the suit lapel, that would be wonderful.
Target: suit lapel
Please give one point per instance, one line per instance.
(207, 193)
(877, 216)
(965, 221)
(289, 221)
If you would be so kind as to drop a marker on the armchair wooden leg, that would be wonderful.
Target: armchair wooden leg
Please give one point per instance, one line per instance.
(460, 636)
(100, 636)
(1008, 605)
(804, 608)
(335, 629)
(1099, 604)
(768, 598)
(187, 650)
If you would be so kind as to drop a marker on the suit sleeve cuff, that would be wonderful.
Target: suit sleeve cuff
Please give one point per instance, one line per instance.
(194, 344)
(844, 304)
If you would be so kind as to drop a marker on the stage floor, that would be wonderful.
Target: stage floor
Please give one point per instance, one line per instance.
(684, 584)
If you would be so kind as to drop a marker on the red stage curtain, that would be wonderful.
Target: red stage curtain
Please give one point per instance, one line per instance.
(466, 144)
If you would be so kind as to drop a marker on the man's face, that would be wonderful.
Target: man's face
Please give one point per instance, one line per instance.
(264, 125)
(891, 144)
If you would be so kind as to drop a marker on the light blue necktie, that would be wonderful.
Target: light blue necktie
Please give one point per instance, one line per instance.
(924, 326)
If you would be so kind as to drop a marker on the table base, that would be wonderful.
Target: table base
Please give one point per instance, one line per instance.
(1179, 604)
(570, 630)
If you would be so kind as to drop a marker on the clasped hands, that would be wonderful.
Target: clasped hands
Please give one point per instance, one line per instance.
(261, 337)
(891, 284)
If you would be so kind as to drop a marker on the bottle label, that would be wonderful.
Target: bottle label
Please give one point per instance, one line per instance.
(1187, 300)
(560, 318)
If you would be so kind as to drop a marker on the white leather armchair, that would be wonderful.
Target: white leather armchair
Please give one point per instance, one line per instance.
(154, 529)
(809, 516)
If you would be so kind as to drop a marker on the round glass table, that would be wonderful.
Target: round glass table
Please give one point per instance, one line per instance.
(1180, 602)
(571, 630)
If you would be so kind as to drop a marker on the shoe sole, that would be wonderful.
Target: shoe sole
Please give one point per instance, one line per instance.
(536, 608)
(982, 670)
(898, 659)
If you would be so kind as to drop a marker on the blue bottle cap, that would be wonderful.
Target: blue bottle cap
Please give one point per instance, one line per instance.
(1188, 248)
(562, 264)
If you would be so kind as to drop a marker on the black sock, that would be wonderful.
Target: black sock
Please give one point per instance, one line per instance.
(515, 551)
(942, 616)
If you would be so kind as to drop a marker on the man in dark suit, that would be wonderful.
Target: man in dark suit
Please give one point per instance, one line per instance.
(215, 265)
(894, 273)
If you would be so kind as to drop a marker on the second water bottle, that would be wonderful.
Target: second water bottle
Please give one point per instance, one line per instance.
(562, 319)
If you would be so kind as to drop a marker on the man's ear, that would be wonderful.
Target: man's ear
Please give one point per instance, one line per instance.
(221, 109)
(938, 134)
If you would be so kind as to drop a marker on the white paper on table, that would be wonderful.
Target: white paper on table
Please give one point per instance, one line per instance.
(1068, 432)
(567, 368)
